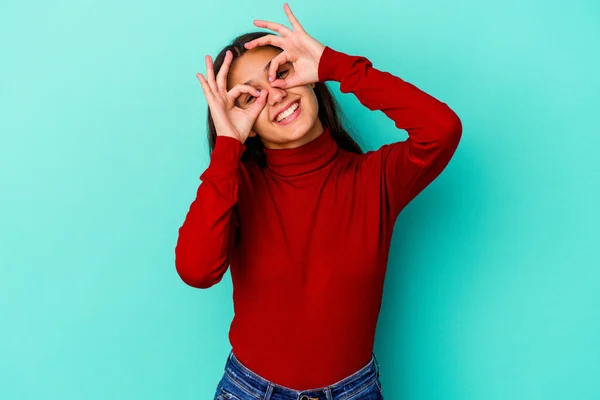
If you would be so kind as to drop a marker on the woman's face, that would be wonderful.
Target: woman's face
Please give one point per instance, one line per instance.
(273, 134)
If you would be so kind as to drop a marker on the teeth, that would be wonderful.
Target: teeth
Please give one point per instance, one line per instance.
(287, 112)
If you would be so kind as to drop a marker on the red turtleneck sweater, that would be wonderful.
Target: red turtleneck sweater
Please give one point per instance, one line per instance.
(314, 231)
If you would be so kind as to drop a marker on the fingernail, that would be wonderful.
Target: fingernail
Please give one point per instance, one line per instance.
(270, 79)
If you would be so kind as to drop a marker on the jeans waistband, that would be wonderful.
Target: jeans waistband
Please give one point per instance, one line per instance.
(264, 389)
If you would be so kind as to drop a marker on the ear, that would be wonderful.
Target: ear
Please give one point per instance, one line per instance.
(252, 133)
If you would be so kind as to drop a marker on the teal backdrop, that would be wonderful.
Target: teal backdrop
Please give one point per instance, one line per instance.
(493, 283)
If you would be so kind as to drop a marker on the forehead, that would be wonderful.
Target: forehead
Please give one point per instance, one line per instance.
(250, 66)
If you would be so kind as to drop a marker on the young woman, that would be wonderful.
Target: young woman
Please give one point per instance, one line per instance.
(300, 214)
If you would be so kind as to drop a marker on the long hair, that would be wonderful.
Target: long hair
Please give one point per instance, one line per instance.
(329, 112)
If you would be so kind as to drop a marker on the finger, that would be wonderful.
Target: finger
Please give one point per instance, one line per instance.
(285, 83)
(210, 75)
(205, 87)
(268, 39)
(281, 29)
(281, 58)
(288, 81)
(240, 89)
(259, 103)
(222, 75)
(295, 24)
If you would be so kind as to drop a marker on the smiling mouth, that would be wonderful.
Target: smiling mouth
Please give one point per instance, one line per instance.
(291, 117)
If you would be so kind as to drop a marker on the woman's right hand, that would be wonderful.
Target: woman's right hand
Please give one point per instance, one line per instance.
(229, 119)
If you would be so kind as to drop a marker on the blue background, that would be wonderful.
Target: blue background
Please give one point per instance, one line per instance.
(493, 280)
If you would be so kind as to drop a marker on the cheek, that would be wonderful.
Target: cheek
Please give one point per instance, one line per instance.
(316, 103)
(311, 105)
(262, 119)
(311, 98)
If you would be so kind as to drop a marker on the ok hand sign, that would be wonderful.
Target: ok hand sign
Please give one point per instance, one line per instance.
(299, 48)
(229, 119)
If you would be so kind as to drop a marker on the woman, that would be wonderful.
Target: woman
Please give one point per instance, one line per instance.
(301, 215)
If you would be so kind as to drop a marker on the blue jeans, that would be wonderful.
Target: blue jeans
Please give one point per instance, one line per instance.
(240, 383)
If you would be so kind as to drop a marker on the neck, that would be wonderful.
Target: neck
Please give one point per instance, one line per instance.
(307, 157)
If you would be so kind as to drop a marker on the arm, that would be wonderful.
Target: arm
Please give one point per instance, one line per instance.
(207, 235)
(434, 130)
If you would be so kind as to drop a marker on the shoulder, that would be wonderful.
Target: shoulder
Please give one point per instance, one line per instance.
(372, 162)
(362, 168)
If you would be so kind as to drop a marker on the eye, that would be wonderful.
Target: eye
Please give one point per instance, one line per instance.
(277, 76)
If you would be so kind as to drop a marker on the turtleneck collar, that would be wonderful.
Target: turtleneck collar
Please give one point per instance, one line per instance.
(303, 159)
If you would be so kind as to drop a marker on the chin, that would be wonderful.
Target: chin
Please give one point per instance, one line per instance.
(298, 133)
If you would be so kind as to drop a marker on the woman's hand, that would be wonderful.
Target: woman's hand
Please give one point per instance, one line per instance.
(229, 119)
(298, 47)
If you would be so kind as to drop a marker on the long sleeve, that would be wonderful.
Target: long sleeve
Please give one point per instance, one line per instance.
(208, 232)
(434, 130)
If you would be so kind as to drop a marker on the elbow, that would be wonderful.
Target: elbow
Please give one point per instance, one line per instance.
(196, 273)
(452, 130)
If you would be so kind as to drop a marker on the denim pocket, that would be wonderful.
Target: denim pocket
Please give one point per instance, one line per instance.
(226, 395)
(372, 391)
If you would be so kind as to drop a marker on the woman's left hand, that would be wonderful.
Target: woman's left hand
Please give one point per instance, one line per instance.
(299, 48)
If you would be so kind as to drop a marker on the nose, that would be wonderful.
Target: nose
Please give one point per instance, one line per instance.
(275, 95)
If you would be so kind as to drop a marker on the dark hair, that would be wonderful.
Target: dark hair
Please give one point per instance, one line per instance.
(329, 111)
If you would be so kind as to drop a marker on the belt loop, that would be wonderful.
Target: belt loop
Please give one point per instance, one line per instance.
(328, 394)
(226, 362)
(376, 363)
(269, 392)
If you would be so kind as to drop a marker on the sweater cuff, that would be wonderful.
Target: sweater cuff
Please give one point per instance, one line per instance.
(228, 152)
(332, 65)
